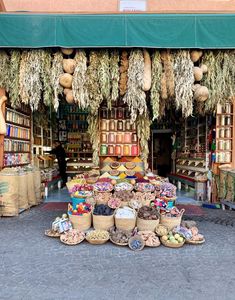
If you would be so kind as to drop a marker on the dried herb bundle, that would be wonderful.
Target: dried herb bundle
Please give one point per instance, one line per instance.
(30, 78)
(56, 72)
(93, 130)
(104, 74)
(80, 93)
(123, 73)
(184, 80)
(114, 76)
(92, 83)
(14, 77)
(168, 63)
(156, 84)
(135, 97)
(4, 70)
(143, 131)
(219, 78)
(45, 75)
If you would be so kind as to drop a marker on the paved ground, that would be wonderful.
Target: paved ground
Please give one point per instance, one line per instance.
(33, 266)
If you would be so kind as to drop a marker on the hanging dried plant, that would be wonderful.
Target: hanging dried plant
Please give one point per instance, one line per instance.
(143, 131)
(156, 84)
(123, 73)
(80, 93)
(135, 97)
(114, 77)
(56, 72)
(14, 77)
(220, 77)
(93, 131)
(30, 78)
(45, 75)
(4, 70)
(92, 83)
(168, 63)
(184, 80)
(104, 74)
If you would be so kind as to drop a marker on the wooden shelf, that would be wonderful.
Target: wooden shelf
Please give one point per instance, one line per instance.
(18, 125)
(17, 139)
(16, 165)
(18, 111)
(16, 151)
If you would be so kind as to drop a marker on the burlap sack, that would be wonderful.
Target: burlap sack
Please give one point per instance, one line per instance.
(37, 185)
(31, 190)
(10, 198)
(23, 191)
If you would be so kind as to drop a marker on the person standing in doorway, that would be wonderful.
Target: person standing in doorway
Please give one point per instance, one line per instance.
(60, 154)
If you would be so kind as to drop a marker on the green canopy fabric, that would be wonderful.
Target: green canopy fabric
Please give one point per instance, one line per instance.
(206, 31)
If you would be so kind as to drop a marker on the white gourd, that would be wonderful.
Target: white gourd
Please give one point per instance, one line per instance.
(201, 94)
(198, 74)
(147, 71)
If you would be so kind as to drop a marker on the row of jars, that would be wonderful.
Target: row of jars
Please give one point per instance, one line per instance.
(115, 113)
(224, 145)
(223, 157)
(225, 133)
(118, 138)
(119, 150)
(225, 120)
(112, 125)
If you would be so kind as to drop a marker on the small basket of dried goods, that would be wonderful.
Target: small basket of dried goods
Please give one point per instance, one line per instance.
(103, 217)
(150, 238)
(72, 237)
(147, 218)
(172, 240)
(97, 237)
(136, 243)
(125, 218)
(172, 218)
(120, 237)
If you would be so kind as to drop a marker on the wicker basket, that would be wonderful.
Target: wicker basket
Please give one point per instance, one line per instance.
(70, 244)
(172, 245)
(158, 232)
(144, 225)
(125, 224)
(97, 242)
(103, 222)
(195, 242)
(171, 222)
(52, 233)
(136, 237)
(118, 244)
(81, 222)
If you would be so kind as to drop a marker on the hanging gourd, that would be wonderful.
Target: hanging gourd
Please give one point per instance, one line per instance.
(66, 80)
(69, 65)
(201, 94)
(198, 74)
(195, 55)
(67, 51)
(3, 129)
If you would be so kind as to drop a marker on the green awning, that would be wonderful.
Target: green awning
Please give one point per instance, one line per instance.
(207, 31)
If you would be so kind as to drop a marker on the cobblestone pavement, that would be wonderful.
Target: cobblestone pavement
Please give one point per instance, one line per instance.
(33, 266)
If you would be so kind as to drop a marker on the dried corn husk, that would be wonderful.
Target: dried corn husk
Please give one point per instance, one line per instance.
(45, 75)
(135, 97)
(143, 131)
(56, 72)
(156, 84)
(69, 65)
(79, 80)
(4, 70)
(123, 73)
(201, 93)
(93, 130)
(147, 71)
(114, 76)
(92, 83)
(168, 63)
(67, 51)
(184, 80)
(66, 80)
(30, 78)
(198, 74)
(195, 55)
(104, 75)
(14, 78)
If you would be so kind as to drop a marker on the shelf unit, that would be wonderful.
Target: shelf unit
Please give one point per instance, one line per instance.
(17, 141)
(225, 133)
(72, 131)
(118, 137)
(42, 139)
(193, 158)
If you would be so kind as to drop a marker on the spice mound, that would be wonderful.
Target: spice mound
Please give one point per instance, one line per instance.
(148, 213)
(120, 236)
(114, 203)
(150, 238)
(103, 210)
(72, 237)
